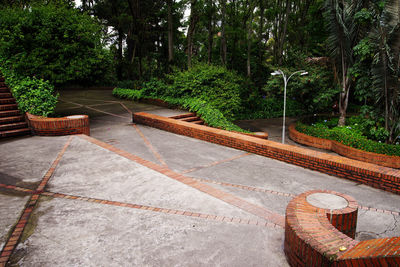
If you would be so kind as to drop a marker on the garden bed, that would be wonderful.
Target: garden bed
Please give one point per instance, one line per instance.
(341, 149)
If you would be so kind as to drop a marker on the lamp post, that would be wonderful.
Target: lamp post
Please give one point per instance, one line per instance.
(286, 80)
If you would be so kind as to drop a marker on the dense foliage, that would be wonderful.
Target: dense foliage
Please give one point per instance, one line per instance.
(215, 85)
(33, 95)
(220, 52)
(315, 91)
(211, 115)
(55, 43)
(360, 133)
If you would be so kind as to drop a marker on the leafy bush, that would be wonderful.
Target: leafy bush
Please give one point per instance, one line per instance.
(33, 95)
(128, 93)
(211, 115)
(54, 43)
(348, 136)
(216, 85)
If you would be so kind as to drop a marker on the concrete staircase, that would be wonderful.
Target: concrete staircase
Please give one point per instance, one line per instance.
(12, 122)
(189, 117)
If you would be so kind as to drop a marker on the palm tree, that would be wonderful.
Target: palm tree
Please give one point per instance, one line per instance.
(344, 35)
(385, 38)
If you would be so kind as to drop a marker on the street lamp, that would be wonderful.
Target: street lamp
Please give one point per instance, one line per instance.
(286, 80)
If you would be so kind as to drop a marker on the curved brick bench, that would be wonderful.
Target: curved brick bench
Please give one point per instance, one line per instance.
(341, 149)
(76, 124)
(317, 236)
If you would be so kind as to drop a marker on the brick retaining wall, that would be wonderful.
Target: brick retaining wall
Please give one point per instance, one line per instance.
(77, 124)
(366, 173)
(341, 149)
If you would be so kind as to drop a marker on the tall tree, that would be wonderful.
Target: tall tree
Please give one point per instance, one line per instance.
(250, 9)
(386, 65)
(210, 28)
(193, 20)
(170, 33)
(223, 48)
(344, 36)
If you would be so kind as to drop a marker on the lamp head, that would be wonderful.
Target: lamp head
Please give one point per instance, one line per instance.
(304, 73)
(277, 72)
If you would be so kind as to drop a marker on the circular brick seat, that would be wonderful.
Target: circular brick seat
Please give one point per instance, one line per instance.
(320, 227)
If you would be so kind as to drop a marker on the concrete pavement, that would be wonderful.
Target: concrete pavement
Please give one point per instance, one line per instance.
(143, 197)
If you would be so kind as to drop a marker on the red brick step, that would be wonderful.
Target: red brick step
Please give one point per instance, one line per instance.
(8, 107)
(6, 120)
(4, 90)
(181, 116)
(13, 126)
(17, 132)
(8, 113)
(5, 95)
(190, 119)
(7, 101)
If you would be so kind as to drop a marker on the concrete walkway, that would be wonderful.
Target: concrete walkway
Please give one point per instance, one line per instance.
(131, 195)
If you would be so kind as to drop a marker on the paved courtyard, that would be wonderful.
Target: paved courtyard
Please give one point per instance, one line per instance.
(131, 195)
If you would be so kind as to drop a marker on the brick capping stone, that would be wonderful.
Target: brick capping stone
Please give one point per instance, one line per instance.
(315, 236)
(341, 149)
(380, 177)
(75, 124)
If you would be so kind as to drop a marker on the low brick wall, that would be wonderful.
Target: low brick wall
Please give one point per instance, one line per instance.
(308, 140)
(76, 124)
(361, 172)
(341, 149)
(320, 237)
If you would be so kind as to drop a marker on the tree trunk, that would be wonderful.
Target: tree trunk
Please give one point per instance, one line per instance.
(210, 27)
(120, 55)
(170, 33)
(223, 37)
(283, 34)
(344, 94)
(261, 33)
(249, 32)
(192, 26)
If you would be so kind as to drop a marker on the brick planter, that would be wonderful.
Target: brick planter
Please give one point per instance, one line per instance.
(384, 178)
(315, 236)
(341, 149)
(76, 124)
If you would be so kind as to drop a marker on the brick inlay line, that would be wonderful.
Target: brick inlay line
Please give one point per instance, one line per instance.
(163, 210)
(15, 237)
(245, 187)
(219, 194)
(17, 188)
(98, 110)
(215, 163)
(105, 112)
(150, 146)
(257, 189)
(127, 109)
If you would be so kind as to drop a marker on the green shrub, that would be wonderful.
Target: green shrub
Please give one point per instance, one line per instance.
(211, 115)
(55, 43)
(348, 136)
(128, 93)
(33, 95)
(216, 85)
